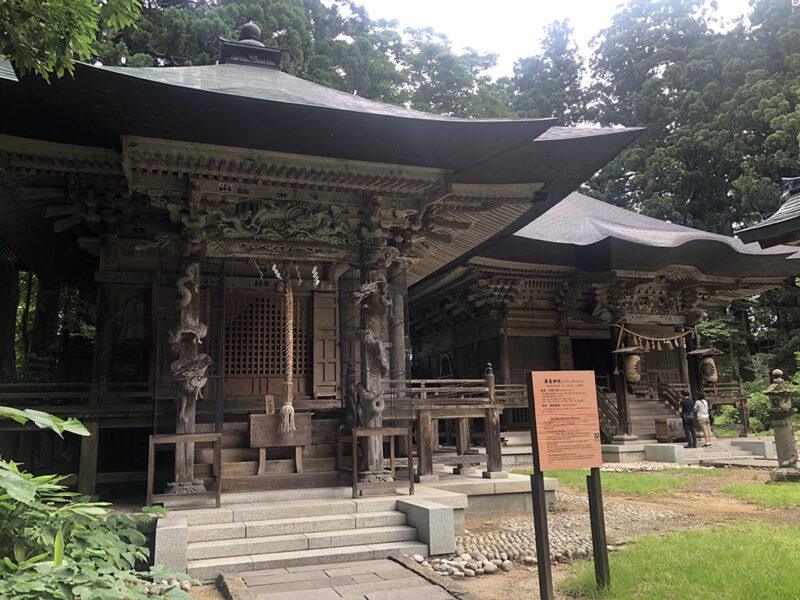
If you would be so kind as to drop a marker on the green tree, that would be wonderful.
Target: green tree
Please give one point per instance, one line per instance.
(47, 37)
(442, 81)
(549, 84)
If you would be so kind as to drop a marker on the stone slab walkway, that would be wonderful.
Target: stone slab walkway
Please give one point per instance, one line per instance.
(361, 580)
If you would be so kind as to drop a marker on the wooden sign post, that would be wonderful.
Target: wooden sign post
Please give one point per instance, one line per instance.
(565, 434)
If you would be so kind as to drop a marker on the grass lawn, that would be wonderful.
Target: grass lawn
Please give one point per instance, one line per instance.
(735, 433)
(743, 561)
(639, 484)
(776, 495)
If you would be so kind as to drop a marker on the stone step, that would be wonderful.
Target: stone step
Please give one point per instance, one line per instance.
(206, 569)
(261, 511)
(243, 529)
(279, 544)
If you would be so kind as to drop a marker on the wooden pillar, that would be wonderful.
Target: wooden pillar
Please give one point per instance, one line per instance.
(621, 389)
(494, 457)
(505, 359)
(565, 360)
(87, 469)
(397, 350)
(462, 436)
(683, 363)
(505, 368)
(424, 450)
(9, 300)
(695, 377)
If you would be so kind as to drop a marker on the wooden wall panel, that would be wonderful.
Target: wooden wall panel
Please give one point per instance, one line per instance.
(326, 345)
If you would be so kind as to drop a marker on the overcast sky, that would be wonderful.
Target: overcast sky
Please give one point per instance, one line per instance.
(510, 28)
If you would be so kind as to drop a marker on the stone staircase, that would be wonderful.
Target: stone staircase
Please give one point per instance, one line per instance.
(718, 454)
(293, 533)
(644, 410)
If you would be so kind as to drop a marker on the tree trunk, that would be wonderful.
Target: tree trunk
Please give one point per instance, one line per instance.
(9, 280)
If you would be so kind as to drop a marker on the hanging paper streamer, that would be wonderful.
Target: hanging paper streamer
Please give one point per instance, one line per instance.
(655, 343)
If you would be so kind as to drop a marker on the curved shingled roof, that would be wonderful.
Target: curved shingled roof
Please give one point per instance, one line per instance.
(784, 225)
(595, 235)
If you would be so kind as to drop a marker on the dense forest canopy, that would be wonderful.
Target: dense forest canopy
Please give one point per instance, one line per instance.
(720, 106)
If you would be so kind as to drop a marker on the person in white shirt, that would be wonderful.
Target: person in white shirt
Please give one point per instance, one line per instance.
(702, 418)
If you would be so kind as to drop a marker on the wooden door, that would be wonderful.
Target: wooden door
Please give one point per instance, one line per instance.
(326, 345)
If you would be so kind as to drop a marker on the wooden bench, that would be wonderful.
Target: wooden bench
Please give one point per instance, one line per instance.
(265, 433)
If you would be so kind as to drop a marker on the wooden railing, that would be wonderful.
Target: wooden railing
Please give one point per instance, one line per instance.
(717, 394)
(511, 395)
(671, 393)
(81, 400)
(607, 413)
(732, 394)
(441, 391)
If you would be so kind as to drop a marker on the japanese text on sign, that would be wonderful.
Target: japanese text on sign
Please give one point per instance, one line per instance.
(566, 421)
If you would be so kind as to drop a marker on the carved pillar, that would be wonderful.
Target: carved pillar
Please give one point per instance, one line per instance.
(374, 298)
(189, 373)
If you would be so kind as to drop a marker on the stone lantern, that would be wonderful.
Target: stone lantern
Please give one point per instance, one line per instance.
(781, 411)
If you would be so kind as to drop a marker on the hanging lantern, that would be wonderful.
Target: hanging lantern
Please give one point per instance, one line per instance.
(708, 369)
(633, 368)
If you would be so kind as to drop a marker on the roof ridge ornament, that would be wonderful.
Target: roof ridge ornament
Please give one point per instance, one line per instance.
(250, 50)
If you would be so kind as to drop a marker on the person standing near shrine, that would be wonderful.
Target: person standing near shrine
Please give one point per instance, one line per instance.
(702, 416)
(687, 416)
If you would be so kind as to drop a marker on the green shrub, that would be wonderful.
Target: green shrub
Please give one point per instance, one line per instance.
(54, 545)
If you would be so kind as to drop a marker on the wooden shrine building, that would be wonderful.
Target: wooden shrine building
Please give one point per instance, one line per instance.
(782, 227)
(247, 239)
(588, 285)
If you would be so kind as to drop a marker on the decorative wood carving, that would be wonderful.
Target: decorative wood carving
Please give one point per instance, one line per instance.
(375, 301)
(278, 221)
(189, 373)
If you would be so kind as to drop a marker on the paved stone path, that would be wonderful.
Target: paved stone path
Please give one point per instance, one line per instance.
(369, 579)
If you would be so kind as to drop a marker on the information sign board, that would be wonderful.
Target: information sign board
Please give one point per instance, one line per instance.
(566, 420)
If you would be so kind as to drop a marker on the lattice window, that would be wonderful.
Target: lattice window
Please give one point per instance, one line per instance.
(661, 364)
(254, 336)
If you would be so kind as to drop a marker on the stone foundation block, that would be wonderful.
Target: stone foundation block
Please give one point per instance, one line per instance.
(763, 448)
(172, 538)
(434, 523)
(665, 453)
